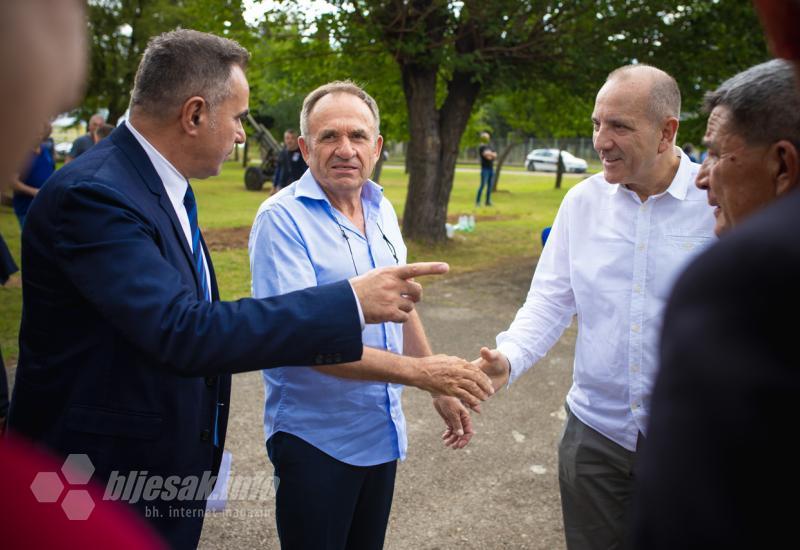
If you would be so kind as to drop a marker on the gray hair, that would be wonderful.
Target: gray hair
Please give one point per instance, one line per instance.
(338, 86)
(665, 96)
(763, 101)
(184, 63)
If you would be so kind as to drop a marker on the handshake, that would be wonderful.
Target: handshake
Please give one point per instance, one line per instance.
(450, 399)
(389, 294)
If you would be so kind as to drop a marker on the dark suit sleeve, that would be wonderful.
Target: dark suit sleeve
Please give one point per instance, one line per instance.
(725, 402)
(109, 250)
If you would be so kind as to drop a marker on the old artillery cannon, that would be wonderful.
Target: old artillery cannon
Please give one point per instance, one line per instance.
(255, 176)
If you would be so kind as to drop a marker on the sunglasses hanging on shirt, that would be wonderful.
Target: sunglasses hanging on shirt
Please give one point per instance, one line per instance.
(350, 249)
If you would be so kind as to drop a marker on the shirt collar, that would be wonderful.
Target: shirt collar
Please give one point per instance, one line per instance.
(174, 183)
(307, 186)
(680, 183)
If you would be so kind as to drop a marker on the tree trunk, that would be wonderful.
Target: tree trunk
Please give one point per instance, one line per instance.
(502, 159)
(433, 148)
(376, 172)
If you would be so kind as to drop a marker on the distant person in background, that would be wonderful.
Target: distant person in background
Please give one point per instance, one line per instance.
(291, 165)
(49, 143)
(7, 268)
(27, 184)
(487, 155)
(689, 149)
(103, 132)
(85, 142)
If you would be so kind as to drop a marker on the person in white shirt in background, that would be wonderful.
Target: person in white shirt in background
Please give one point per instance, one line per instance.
(618, 242)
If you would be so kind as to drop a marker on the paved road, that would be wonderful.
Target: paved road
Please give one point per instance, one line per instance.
(500, 492)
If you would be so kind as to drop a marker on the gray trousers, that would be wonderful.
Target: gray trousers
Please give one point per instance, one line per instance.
(596, 480)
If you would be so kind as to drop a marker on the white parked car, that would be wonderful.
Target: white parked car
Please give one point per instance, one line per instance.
(544, 160)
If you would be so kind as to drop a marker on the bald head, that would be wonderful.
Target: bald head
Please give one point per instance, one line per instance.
(95, 122)
(664, 94)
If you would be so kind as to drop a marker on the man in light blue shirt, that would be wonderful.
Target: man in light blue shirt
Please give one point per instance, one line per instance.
(335, 441)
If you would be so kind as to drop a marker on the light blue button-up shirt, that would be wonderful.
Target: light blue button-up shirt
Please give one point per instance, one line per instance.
(297, 242)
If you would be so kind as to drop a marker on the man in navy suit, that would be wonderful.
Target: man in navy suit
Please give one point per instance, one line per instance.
(125, 348)
(717, 465)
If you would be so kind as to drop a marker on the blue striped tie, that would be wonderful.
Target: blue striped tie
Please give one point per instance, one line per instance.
(197, 250)
(197, 253)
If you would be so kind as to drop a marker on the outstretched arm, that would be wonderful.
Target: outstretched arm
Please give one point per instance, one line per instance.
(437, 374)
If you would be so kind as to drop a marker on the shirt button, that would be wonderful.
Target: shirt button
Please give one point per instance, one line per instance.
(205, 435)
(637, 289)
(635, 406)
(635, 327)
(634, 368)
(211, 381)
(640, 247)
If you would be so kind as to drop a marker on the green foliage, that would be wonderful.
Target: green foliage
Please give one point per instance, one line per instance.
(120, 29)
(290, 59)
(701, 43)
(546, 110)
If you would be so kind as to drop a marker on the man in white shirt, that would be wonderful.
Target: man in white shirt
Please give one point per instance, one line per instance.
(619, 240)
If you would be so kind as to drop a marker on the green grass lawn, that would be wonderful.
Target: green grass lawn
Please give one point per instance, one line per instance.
(523, 206)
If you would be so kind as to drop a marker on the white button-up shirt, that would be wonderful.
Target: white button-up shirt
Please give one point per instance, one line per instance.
(174, 184)
(610, 259)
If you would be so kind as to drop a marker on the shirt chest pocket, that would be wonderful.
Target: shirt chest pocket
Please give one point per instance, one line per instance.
(672, 257)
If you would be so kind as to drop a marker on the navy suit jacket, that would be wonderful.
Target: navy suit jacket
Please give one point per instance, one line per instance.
(120, 357)
(718, 466)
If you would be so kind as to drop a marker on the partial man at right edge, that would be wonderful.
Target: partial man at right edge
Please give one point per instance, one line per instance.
(719, 470)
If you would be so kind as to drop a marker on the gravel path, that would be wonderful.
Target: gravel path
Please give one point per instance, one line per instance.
(500, 492)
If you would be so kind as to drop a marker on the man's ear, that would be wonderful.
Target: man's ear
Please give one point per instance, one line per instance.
(194, 113)
(784, 166)
(669, 129)
(301, 143)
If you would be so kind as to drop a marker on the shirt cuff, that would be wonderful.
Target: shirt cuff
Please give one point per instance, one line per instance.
(358, 304)
(516, 359)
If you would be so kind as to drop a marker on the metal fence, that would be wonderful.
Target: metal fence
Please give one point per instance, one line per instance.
(580, 147)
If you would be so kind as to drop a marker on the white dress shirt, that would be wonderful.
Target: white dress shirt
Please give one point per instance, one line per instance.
(175, 185)
(610, 259)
